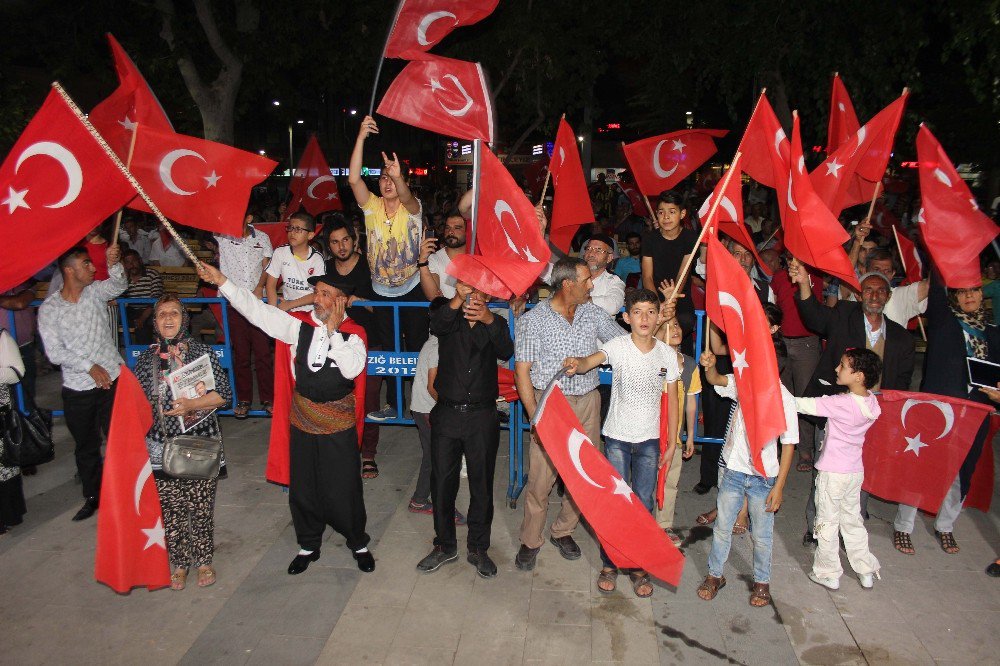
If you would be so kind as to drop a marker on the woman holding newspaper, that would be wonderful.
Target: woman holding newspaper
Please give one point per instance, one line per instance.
(185, 384)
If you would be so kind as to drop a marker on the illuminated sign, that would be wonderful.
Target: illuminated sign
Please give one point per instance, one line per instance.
(467, 149)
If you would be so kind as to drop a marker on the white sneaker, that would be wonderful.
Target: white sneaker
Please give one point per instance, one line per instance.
(868, 580)
(829, 583)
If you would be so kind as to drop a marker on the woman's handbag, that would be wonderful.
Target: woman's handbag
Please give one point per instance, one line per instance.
(27, 439)
(189, 456)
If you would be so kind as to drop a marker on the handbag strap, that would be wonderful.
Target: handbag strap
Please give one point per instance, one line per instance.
(29, 401)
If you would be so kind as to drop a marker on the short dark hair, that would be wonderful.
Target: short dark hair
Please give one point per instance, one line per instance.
(672, 197)
(132, 253)
(334, 221)
(632, 234)
(774, 317)
(305, 218)
(879, 254)
(454, 212)
(565, 269)
(69, 255)
(640, 296)
(866, 362)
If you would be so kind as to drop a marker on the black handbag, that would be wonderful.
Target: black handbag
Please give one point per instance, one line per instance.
(27, 438)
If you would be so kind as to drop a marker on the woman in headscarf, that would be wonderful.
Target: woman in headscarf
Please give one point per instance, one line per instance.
(957, 328)
(188, 504)
(12, 507)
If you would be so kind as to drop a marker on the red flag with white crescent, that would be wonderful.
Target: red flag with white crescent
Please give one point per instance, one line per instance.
(660, 162)
(729, 215)
(765, 148)
(420, 24)
(312, 187)
(912, 265)
(441, 95)
(661, 473)
(954, 230)
(626, 529)
(980, 495)
(131, 545)
(198, 183)
(635, 198)
(843, 120)
(914, 450)
(56, 184)
(571, 202)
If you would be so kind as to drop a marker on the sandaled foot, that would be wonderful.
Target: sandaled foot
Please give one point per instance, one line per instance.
(760, 595)
(206, 576)
(267, 407)
(178, 579)
(804, 465)
(369, 469)
(640, 584)
(607, 580)
(947, 541)
(710, 587)
(674, 537)
(741, 526)
(901, 542)
(707, 518)
(242, 409)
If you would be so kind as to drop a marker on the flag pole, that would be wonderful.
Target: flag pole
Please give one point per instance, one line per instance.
(477, 146)
(128, 165)
(381, 59)
(125, 172)
(682, 278)
(548, 172)
(768, 239)
(871, 208)
(902, 260)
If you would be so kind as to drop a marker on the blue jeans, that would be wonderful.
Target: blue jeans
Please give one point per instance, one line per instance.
(733, 487)
(637, 465)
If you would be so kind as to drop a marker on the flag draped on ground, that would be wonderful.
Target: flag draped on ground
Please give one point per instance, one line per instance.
(660, 162)
(312, 186)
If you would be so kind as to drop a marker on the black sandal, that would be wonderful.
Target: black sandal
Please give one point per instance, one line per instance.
(947, 541)
(607, 575)
(369, 469)
(901, 542)
(638, 580)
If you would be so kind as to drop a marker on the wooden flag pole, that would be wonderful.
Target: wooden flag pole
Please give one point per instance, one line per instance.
(128, 165)
(125, 172)
(902, 260)
(871, 207)
(768, 239)
(682, 278)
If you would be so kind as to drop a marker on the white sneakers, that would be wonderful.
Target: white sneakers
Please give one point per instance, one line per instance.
(867, 580)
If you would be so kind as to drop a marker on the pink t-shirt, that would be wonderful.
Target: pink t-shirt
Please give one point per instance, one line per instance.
(848, 418)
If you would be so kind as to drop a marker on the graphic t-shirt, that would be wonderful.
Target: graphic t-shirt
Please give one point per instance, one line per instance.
(295, 273)
(636, 385)
(393, 247)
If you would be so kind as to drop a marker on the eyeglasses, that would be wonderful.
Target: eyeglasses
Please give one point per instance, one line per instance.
(596, 250)
(290, 229)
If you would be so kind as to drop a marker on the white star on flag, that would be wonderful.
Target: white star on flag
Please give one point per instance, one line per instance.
(740, 361)
(679, 145)
(435, 85)
(914, 444)
(621, 488)
(155, 536)
(331, 196)
(15, 200)
(212, 179)
(833, 168)
(128, 124)
(972, 201)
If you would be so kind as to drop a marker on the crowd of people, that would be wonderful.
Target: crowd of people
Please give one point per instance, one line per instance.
(611, 304)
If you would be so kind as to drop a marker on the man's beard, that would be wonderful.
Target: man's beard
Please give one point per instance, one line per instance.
(321, 314)
(453, 242)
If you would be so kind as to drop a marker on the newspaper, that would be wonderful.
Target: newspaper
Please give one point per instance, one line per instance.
(192, 381)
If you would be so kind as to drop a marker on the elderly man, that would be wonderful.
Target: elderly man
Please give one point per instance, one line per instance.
(327, 353)
(567, 324)
(609, 290)
(906, 301)
(73, 322)
(852, 324)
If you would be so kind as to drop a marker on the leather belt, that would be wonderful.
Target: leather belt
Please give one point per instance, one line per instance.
(467, 406)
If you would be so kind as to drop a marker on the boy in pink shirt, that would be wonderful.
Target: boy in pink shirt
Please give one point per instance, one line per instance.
(841, 471)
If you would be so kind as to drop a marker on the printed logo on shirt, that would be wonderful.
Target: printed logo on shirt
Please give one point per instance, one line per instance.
(311, 270)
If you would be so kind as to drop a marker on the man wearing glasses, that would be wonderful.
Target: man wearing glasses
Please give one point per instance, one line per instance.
(609, 290)
(293, 265)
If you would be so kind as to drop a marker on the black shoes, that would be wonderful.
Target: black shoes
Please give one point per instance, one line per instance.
(567, 547)
(301, 562)
(87, 510)
(809, 541)
(437, 557)
(365, 560)
(485, 567)
(702, 488)
(525, 560)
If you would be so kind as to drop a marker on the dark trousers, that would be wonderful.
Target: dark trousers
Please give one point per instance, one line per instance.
(477, 435)
(373, 402)
(414, 329)
(30, 369)
(324, 488)
(246, 339)
(422, 492)
(88, 416)
(715, 413)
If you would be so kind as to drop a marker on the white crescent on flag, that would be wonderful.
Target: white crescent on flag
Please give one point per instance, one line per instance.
(318, 181)
(660, 171)
(458, 113)
(944, 407)
(66, 160)
(427, 21)
(573, 444)
(167, 166)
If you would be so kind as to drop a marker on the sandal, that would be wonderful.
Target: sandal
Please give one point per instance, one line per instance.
(369, 469)
(710, 587)
(609, 577)
(740, 529)
(267, 407)
(206, 576)
(947, 541)
(901, 542)
(760, 595)
(805, 465)
(639, 580)
(707, 518)
(674, 537)
(178, 579)
(242, 409)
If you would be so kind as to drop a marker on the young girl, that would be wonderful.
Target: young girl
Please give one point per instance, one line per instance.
(840, 469)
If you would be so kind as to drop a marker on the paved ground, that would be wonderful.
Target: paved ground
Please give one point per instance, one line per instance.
(928, 608)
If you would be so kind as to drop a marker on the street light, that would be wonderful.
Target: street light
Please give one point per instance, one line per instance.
(354, 112)
(276, 103)
(580, 138)
(261, 151)
(299, 122)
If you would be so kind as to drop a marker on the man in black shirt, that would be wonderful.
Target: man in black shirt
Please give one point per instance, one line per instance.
(664, 250)
(464, 420)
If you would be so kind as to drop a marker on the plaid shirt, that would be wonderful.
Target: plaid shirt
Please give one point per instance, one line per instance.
(544, 338)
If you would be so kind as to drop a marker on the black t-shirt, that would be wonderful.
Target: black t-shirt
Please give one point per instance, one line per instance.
(360, 278)
(668, 258)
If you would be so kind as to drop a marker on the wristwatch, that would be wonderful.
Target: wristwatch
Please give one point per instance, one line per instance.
(422, 264)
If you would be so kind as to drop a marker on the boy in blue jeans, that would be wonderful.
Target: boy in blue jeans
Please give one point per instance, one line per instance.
(641, 364)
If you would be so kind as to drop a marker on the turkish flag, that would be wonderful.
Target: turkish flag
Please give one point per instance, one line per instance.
(914, 450)
(728, 216)
(732, 304)
(883, 219)
(848, 176)
(56, 184)
(505, 383)
(954, 230)
(312, 186)
(132, 102)
(493, 275)
(131, 547)
(442, 95)
(199, 183)
(812, 232)
(571, 203)
(660, 162)
(910, 257)
(636, 199)
(843, 120)
(661, 473)
(626, 529)
(980, 495)
(535, 174)
(420, 24)
(765, 147)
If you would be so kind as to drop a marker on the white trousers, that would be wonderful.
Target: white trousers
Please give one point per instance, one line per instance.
(951, 507)
(838, 509)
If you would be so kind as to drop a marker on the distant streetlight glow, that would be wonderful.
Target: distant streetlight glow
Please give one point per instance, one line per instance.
(354, 112)
(261, 152)
(276, 103)
(299, 122)
(579, 138)
(688, 113)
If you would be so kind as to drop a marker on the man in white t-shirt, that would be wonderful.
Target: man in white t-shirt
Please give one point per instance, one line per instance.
(293, 265)
(164, 250)
(609, 290)
(433, 265)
